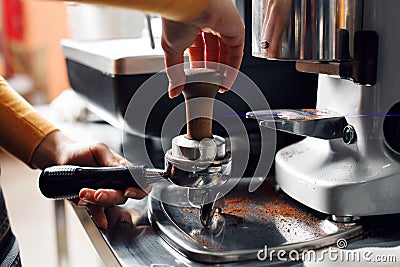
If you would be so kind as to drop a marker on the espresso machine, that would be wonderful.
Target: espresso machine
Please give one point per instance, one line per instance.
(348, 164)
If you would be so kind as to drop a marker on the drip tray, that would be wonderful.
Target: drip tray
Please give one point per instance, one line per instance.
(248, 223)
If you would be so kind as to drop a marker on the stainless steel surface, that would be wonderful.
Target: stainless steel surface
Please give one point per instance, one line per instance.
(316, 30)
(246, 225)
(153, 175)
(131, 241)
(98, 237)
(199, 176)
(61, 233)
(305, 122)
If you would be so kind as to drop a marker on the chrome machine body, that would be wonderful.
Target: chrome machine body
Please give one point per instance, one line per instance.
(349, 164)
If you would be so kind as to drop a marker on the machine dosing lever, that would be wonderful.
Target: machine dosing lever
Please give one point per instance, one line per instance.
(304, 122)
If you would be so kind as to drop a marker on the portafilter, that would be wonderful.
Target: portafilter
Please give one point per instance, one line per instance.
(196, 160)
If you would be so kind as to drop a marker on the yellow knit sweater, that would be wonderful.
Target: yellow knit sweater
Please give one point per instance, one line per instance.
(22, 129)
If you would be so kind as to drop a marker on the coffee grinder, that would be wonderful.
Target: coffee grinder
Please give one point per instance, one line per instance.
(348, 165)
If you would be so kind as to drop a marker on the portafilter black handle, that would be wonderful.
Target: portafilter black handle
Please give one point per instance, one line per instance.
(66, 181)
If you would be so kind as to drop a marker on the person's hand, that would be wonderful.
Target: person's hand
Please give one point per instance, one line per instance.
(57, 149)
(216, 35)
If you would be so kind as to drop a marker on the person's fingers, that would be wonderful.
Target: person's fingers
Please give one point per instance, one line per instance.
(231, 53)
(121, 160)
(224, 58)
(104, 156)
(176, 38)
(235, 47)
(117, 156)
(196, 52)
(231, 31)
(231, 57)
(87, 194)
(109, 196)
(212, 48)
(94, 201)
(135, 193)
(102, 196)
(81, 203)
(175, 73)
(173, 57)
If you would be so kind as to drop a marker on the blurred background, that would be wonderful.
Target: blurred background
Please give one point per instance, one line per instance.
(31, 56)
(32, 61)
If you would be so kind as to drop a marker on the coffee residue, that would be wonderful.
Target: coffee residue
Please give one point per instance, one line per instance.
(263, 210)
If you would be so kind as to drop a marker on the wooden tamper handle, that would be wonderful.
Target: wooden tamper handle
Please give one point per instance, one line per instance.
(200, 90)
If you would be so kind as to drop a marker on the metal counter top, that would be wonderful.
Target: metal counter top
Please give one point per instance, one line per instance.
(125, 243)
(131, 240)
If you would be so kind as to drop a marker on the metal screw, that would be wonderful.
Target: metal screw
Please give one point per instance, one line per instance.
(349, 135)
(264, 44)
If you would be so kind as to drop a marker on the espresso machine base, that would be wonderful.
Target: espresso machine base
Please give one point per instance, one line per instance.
(338, 183)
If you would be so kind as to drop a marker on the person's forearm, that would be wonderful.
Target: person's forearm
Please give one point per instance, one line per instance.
(177, 10)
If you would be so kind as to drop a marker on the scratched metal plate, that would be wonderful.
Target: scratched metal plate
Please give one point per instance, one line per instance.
(247, 223)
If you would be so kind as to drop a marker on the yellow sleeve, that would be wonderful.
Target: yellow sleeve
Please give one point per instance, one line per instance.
(21, 127)
(178, 10)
